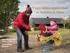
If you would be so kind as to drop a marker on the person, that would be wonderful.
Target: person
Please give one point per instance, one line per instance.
(51, 29)
(21, 24)
(42, 30)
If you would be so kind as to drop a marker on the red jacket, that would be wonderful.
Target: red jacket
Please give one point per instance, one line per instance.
(22, 20)
(42, 28)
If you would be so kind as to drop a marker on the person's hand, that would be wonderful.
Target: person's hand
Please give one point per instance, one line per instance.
(28, 27)
(44, 31)
(56, 36)
(32, 29)
(46, 28)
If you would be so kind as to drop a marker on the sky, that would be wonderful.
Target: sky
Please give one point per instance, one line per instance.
(46, 3)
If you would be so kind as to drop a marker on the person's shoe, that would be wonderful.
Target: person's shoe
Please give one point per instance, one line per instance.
(28, 48)
(20, 50)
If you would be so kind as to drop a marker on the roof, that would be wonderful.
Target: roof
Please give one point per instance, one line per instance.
(46, 20)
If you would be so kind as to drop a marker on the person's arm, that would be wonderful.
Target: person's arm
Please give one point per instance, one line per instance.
(53, 27)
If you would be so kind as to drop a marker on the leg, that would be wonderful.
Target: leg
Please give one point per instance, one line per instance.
(19, 39)
(25, 38)
(26, 41)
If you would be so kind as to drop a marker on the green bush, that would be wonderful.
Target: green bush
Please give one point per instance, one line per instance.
(36, 28)
(67, 25)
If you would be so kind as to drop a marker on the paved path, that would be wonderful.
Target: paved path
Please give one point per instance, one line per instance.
(8, 45)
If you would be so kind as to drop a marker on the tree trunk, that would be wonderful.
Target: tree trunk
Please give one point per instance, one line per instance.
(6, 26)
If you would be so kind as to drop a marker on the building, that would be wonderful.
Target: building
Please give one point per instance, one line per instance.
(36, 21)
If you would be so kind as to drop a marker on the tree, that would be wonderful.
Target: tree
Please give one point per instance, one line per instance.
(8, 12)
(68, 22)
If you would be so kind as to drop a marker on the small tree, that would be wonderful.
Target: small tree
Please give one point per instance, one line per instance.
(68, 23)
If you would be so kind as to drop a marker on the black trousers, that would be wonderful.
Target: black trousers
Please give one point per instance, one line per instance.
(47, 34)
